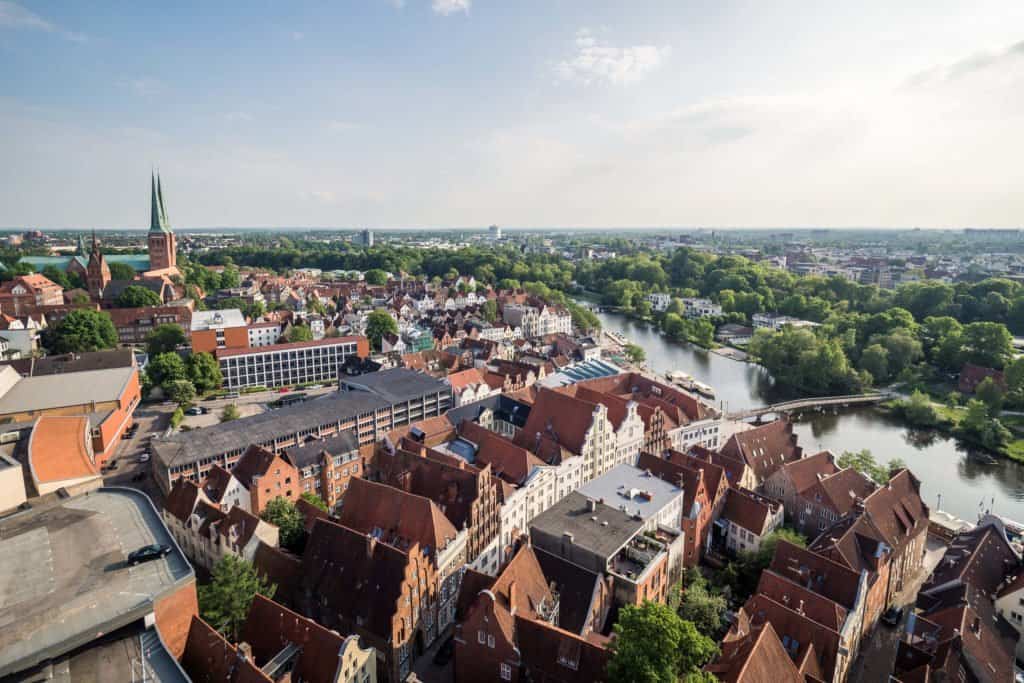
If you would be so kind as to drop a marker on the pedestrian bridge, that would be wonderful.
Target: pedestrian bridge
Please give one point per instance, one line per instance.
(814, 403)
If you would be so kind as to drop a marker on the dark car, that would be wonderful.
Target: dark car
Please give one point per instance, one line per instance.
(445, 652)
(147, 553)
(892, 616)
(139, 476)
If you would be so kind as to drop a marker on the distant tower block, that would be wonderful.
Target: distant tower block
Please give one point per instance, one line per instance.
(495, 232)
(162, 244)
(367, 238)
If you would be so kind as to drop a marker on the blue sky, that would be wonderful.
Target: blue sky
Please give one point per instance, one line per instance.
(550, 113)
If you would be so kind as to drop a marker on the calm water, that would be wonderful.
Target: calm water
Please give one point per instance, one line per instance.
(963, 481)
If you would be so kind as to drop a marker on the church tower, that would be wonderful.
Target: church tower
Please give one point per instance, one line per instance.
(162, 245)
(97, 273)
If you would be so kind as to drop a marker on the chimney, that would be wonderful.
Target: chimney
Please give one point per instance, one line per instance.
(800, 608)
(371, 544)
(244, 651)
(591, 505)
(513, 590)
(976, 626)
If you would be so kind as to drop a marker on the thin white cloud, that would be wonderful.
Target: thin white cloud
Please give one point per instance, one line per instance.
(446, 7)
(297, 35)
(980, 61)
(596, 62)
(13, 15)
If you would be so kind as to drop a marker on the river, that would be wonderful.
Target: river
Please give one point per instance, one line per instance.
(965, 483)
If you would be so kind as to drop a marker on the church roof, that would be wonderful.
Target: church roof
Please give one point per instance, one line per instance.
(158, 221)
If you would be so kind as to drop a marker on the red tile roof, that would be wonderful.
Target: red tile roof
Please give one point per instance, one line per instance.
(765, 449)
(398, 518)
(806, 472)
(754, 656)
(749, 510)
(508, 461)
(464, 378)
(559, 417)
(209, 658)
(270, 628)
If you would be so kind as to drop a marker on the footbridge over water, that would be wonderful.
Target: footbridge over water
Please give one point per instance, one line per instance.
(815, 403)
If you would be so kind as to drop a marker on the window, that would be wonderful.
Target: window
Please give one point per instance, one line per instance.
(481, 637)
(506, 672)
(490, 641)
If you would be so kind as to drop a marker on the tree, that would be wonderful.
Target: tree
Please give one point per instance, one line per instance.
(181, 391)
(653, 644)
(635, 354)
(978, 426)
(489, 310)
(290, 524)
(918, 410)
(204, 371)
(82, 330)
(166, 367)
(176, 417)
(224, 602)
(314, 500)
(300, 333)
(864, 462)
(376, 276)
(991, 394)
(875, 359)
(135, 296)
(230, 277)
(121, 271)
(229, 413)
(164, 338)
(706, 610)
(61, 277)
(987, 344)
(378, 324)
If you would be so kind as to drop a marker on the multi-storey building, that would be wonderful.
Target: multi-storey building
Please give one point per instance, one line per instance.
(327, 465)
(371, 405)
(352, 582)
(609, 541)
(263, 334)
(701, 308)
(288, 364)
(26, 294)
(134, 325)
(402, 519)
(223, 329)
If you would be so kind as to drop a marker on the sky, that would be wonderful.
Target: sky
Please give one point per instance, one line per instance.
(524, 113)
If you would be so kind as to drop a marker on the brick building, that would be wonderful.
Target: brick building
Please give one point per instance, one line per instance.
(221, 329)
(26, 294)
(327, 465)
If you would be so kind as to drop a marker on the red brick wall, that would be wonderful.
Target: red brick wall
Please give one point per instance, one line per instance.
(112, 428)
(476, 661)
(281, 479)
(174, 614)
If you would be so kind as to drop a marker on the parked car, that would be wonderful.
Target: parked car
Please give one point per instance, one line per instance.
(147, 553)
(139, 476)
(892, 616)
(231, 394)
(283, 390)
(144, 457)
(445, 652)
(315, 386)
(205, 410)
(195, 410)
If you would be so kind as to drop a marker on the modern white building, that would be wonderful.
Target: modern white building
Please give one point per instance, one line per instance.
(288, 364)
(659, 301)
(264, 334)
(701, 308)
(639, 493)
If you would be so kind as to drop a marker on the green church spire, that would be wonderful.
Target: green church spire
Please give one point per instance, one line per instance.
(157, 213)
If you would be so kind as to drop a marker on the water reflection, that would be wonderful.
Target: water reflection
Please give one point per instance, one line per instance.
(943, 465)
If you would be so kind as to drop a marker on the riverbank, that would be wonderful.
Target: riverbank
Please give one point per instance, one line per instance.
(949, 419)
(945, 466)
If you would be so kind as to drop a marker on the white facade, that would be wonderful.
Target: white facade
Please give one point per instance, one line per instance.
(263, 334)
(275, 366)
(776, 321)
(659, 301)
(706, 433)
(701, 308)
(1010, 605)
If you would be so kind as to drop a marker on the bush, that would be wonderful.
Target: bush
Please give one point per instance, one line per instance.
(177, 416)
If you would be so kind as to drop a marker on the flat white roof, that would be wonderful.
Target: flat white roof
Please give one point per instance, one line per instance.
(640, 491)
(216, 320)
